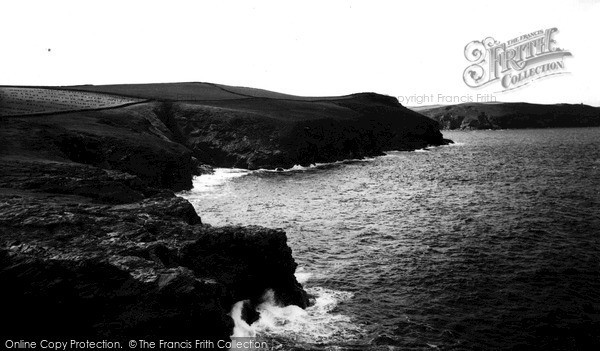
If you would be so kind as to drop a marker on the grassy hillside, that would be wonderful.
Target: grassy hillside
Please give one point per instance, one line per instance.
(17, 101)
(191, 91)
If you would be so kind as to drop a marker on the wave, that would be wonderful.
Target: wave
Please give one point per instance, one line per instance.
(220, 176)
(317, 165)
(295, 168)
(453, 144)
(301, 276)
(208, 182)
(433, 147)
(392, 153)
(317, 324)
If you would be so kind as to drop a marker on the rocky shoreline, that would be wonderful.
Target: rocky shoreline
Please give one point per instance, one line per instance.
(94, 242)
(114, 268)
(520, 115)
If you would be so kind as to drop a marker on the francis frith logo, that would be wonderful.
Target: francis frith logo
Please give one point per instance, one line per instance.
(516, 62)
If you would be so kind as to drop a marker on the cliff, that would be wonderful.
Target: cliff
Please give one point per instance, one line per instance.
(93, 241)
(250, 128)
(73, 267)
(512, 115)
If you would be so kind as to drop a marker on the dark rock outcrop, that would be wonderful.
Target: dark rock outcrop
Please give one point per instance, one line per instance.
(141, 268)
(512, 116)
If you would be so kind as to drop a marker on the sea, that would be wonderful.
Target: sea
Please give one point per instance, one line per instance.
(491, 243)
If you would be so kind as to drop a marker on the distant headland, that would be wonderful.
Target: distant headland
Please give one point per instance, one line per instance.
(516, 115)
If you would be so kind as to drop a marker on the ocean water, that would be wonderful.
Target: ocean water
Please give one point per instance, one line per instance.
(489, 244)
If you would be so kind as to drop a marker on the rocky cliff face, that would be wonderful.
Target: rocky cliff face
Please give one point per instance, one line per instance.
(147, 268)
(91, 231)
(250, 128)
(93, 242)
(267, 133)
(512, 116)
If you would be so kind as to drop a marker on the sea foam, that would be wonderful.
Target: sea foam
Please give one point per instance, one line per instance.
(317, 324)
(208, 182)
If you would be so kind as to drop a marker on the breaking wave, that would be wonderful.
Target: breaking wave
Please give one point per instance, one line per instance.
(209, 182)
(316, 324)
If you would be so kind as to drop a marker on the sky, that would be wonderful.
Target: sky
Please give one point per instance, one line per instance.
(311, 48)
